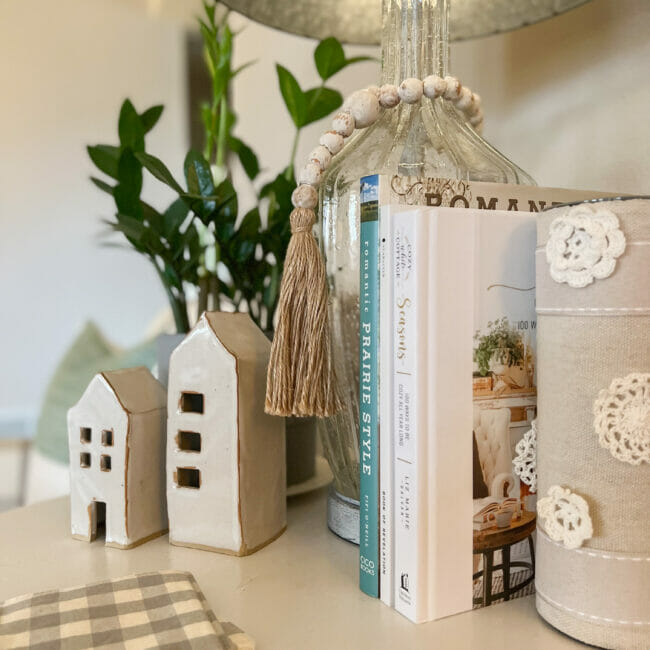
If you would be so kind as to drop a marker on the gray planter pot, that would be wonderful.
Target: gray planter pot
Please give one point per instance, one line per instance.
(165, 345)
(301, 449)
(301, 445)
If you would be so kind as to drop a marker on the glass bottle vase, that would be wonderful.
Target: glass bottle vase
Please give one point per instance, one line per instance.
(429, 139)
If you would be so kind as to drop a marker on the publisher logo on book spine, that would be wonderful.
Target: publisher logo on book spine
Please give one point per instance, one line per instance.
(404, 587)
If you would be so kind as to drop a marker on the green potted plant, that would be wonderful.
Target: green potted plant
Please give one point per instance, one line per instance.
(501, 347)
(201, 246)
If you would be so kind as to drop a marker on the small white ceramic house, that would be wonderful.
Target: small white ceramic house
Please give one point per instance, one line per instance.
(226, 467)
(116, 436)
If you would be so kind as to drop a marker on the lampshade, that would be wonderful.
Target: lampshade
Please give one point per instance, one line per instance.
(359, 21)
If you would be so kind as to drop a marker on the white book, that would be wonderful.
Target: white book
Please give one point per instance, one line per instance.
(386, 463)
(409, 244)
(457, 274)
(449, 329)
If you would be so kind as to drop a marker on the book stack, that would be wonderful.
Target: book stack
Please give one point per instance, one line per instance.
(447, 386)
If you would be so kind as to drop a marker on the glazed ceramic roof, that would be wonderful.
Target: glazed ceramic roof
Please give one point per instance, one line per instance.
(238, 333)
(136, 389)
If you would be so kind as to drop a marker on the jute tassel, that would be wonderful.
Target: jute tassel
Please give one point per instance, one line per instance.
(301, 378)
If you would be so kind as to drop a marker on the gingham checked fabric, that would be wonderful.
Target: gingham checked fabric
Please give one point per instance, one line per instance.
(165, 609)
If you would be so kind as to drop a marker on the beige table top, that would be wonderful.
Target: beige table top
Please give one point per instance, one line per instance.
(299, 593)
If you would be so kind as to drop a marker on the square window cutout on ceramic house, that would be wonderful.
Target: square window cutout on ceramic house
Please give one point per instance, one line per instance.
(189, 441)
(107, 438)
(84, 459)
(188, 477)
(191, 402)
(105, 463)
(85, 434)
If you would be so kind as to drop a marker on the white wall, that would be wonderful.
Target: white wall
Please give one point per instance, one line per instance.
(566, 99)
(65, 67)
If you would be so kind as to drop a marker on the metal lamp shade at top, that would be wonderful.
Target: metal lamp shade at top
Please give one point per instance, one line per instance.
(359, 21)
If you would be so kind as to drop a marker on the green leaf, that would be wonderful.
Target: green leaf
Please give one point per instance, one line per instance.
(105, 157)
(130, 127)
(359, 59)
(172, 278)
(250, 225)
(209, 8)
(242, 67)
(321, 102)
(150, 117)
(219, 50)
(247, 236)
(153, 219)
(105, 187)
(131, 227)
(225, 214)
(293, 96)
(199, 179)
(157, 168)
(227, 205)
(174, 216)
(194, 248)
(272, 289)
(329, 57)
(209, 40)
(127, 192)
(279, 193)
(206, 116)
(246, 155)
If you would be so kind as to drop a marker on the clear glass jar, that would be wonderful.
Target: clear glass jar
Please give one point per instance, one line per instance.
(429, 139)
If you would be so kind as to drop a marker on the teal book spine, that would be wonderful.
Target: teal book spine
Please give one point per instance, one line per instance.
(369, 387)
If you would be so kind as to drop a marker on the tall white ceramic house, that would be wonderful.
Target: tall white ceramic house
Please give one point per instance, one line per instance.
(226, 468)
(116, 436)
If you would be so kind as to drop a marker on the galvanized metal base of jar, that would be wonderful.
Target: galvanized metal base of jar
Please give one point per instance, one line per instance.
(343, 516)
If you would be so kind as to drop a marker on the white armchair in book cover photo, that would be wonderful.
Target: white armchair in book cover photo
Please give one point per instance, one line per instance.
(504, 395)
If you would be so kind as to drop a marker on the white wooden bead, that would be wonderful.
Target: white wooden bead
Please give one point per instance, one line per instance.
(434, 86)
(343, 124)
(410, 90)
(364, 108)
(305, 196)
(388, 96)
(464, 99)
(453, 88)
(475, 106)
(333, 141)
(374, 90)
(310, 174)
(477, 118)
(321, 155)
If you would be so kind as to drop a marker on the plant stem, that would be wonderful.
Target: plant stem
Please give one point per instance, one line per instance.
(203, 295)
(289, 174)
(221, 137)
(183, 321)
(214, 292)
(179, 311)
(177, 303)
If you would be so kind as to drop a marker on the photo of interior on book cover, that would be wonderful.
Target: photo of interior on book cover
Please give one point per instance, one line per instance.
(504, 407)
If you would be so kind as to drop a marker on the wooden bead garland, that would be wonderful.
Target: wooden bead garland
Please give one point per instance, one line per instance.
(410, 91)
(333, 141)
(301, 379)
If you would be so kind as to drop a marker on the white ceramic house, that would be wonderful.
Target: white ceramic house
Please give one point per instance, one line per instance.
(116, 436)
(226, 468)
